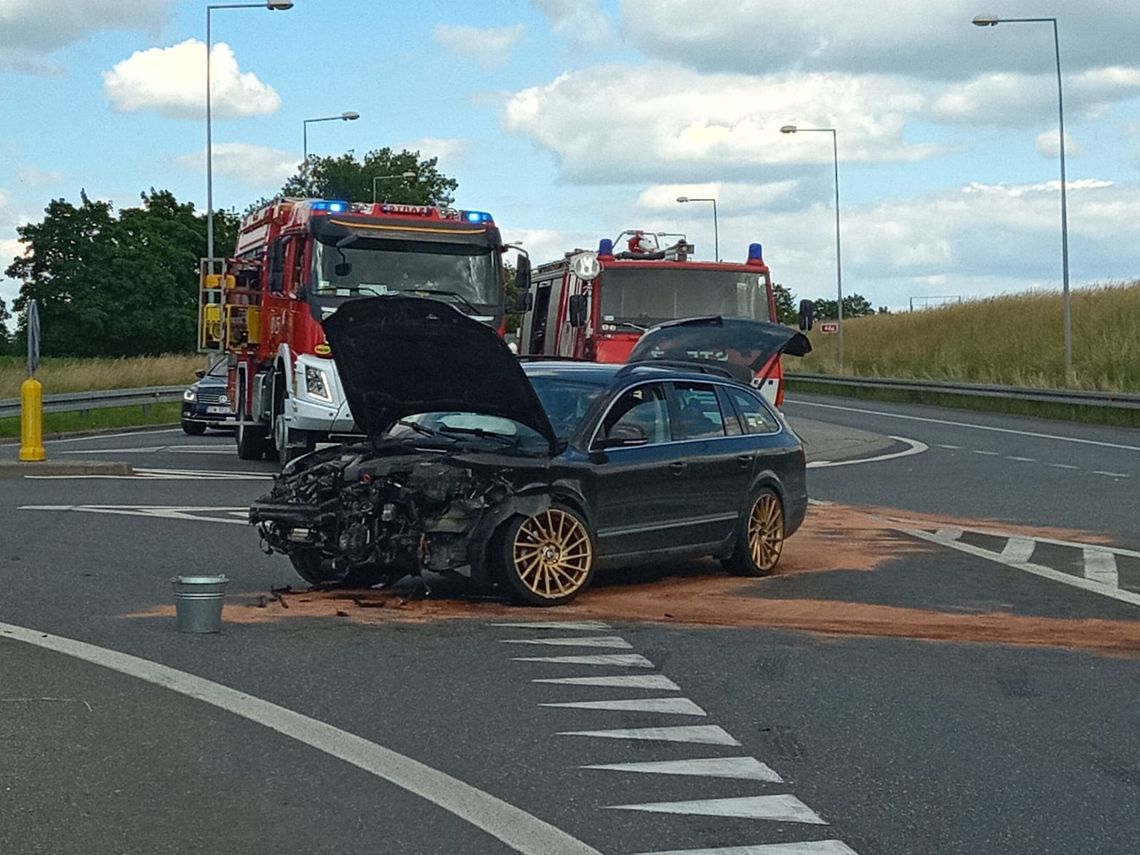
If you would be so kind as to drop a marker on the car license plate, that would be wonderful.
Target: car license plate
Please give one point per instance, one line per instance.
(219, 411)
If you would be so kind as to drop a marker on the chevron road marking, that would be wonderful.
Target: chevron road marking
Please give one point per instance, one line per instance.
(611, 641)
(668, 706)
(702, 734)
(780, 808)
(744, 768)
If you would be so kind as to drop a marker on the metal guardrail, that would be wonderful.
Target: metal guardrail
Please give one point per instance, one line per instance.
(1119, 400)
(84, 401)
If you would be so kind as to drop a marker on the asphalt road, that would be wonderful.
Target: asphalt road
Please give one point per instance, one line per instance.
(872, 745)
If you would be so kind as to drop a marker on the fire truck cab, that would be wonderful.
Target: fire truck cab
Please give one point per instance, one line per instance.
(596, 305)
(295, 262)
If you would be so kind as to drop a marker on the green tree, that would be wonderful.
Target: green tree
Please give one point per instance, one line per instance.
(787, 312)
(5, 335)
(345, 177)
(112, 285)
(854, 306)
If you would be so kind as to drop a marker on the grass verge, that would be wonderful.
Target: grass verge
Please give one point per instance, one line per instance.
(1112, 416)
(112, 417)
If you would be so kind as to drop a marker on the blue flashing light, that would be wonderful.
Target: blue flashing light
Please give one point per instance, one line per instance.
(330, 206)
(477, 216)
(605, 247)
(755, 252)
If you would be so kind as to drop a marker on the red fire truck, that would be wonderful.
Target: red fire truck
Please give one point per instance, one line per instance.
(295, 262)
(596, 305)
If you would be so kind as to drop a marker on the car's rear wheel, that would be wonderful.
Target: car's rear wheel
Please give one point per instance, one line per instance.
(193, 428)
(546, 559)
(316, 569)
(760, 539)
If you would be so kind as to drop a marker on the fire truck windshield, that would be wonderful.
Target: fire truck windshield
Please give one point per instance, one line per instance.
(456, 272)
(642, 297)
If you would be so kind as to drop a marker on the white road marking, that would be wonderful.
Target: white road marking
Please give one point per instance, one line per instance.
(98, 437)
(1036, 569)
(1021, 459)
(586, 625)
(702, 734)
(1064, 466)
(666, 706)
(1110, 474)
(951, 447)
(743, 768)
(987, 453)
(141, 474)
(972, 427)
(1100, 566)
(516, 828)
(916, 447)
(632, 681)
(153, 449)
(950, 532)
(622, 660)
(813, 847)
(611, 641)
(172, 512)
(1018, 549)
(780, 808)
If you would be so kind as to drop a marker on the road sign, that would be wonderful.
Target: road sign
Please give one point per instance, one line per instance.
(829, 326)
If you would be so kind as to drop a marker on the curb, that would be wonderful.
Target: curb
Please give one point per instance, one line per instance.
(15, 469)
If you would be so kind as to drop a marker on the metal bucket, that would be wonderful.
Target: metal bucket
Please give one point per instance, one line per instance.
(198, 602)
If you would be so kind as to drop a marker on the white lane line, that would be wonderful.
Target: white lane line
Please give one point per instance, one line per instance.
(1110, 474)
(1035, 569)
(781, 808)
(813, 847)
(950, 532)
(1021, 459)
(144, 450)
(100, 437)
(1033, 434)
(631, 681)
(585, 625)
(1100, 566)
(742, 768)
(1018, 549)
(197, 514)
(987, 453)
(516, 828)
(611, 641)
(916, 447)
(701, 734)
(1064, 466)
(666, 706)
(621, 660)
(951, 447)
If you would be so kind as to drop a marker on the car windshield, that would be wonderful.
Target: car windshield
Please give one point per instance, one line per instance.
(453, 427)
(565, 400)
(459, 272)
(219, 370)
(645, 297)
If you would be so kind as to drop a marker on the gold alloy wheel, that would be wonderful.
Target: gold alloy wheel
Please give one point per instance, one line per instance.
(552, 554)
(766, 531)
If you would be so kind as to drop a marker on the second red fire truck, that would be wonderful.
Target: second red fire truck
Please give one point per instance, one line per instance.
(295, 262)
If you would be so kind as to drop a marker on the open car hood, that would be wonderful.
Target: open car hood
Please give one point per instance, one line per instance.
(740, 346)
(398, 356)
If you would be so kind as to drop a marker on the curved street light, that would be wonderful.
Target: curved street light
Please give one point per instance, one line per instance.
(716, 228)
(993, 21)
(347, 116)
(273, 6)
(793, 129)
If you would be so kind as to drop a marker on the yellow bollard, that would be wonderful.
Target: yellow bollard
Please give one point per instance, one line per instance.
(32, 421)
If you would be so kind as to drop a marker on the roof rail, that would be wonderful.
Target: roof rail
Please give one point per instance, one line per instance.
(695, 366)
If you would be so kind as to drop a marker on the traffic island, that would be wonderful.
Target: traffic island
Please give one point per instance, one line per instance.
(55, 468)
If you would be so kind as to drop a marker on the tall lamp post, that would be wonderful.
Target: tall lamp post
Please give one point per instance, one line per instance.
(274, 5)
(348, 116)
(993, 21)
(716, 229)
(793, 129)
(407, 176)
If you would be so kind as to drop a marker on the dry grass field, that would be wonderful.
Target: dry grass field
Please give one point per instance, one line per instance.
(82, 375)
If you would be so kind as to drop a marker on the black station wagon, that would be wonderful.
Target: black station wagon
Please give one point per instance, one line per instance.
(529, 476)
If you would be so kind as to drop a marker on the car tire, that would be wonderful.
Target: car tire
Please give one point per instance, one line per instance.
(312, 566)
(760, 536)
(546, 559)
(193, 428)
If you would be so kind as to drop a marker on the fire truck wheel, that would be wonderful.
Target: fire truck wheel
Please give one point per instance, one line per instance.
(252, 443)
(288, 443)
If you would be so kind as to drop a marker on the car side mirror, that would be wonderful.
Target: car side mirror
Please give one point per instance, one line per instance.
(577, 308)
(200, 373)
(622, 436)
(807, 314)
(522, 274)
(277, 266)
(343, 269)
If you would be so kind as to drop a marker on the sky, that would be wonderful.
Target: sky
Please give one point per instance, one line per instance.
(574, 121)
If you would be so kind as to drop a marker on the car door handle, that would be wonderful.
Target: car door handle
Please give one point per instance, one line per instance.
(678, 467)
(745, 461)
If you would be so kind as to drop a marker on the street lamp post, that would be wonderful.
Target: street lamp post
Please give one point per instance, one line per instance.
(993, 21)
(793, 129)
(348, 116)
(716, 229)
(407, 176)
(274, 5)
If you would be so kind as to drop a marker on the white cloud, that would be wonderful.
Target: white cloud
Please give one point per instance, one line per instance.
(253, 165)
(34, 29)
(1048, 144)
(737, 198)
(449, 151)
(614, 124)
(582, 23)
(490, 46)
(173, 81)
